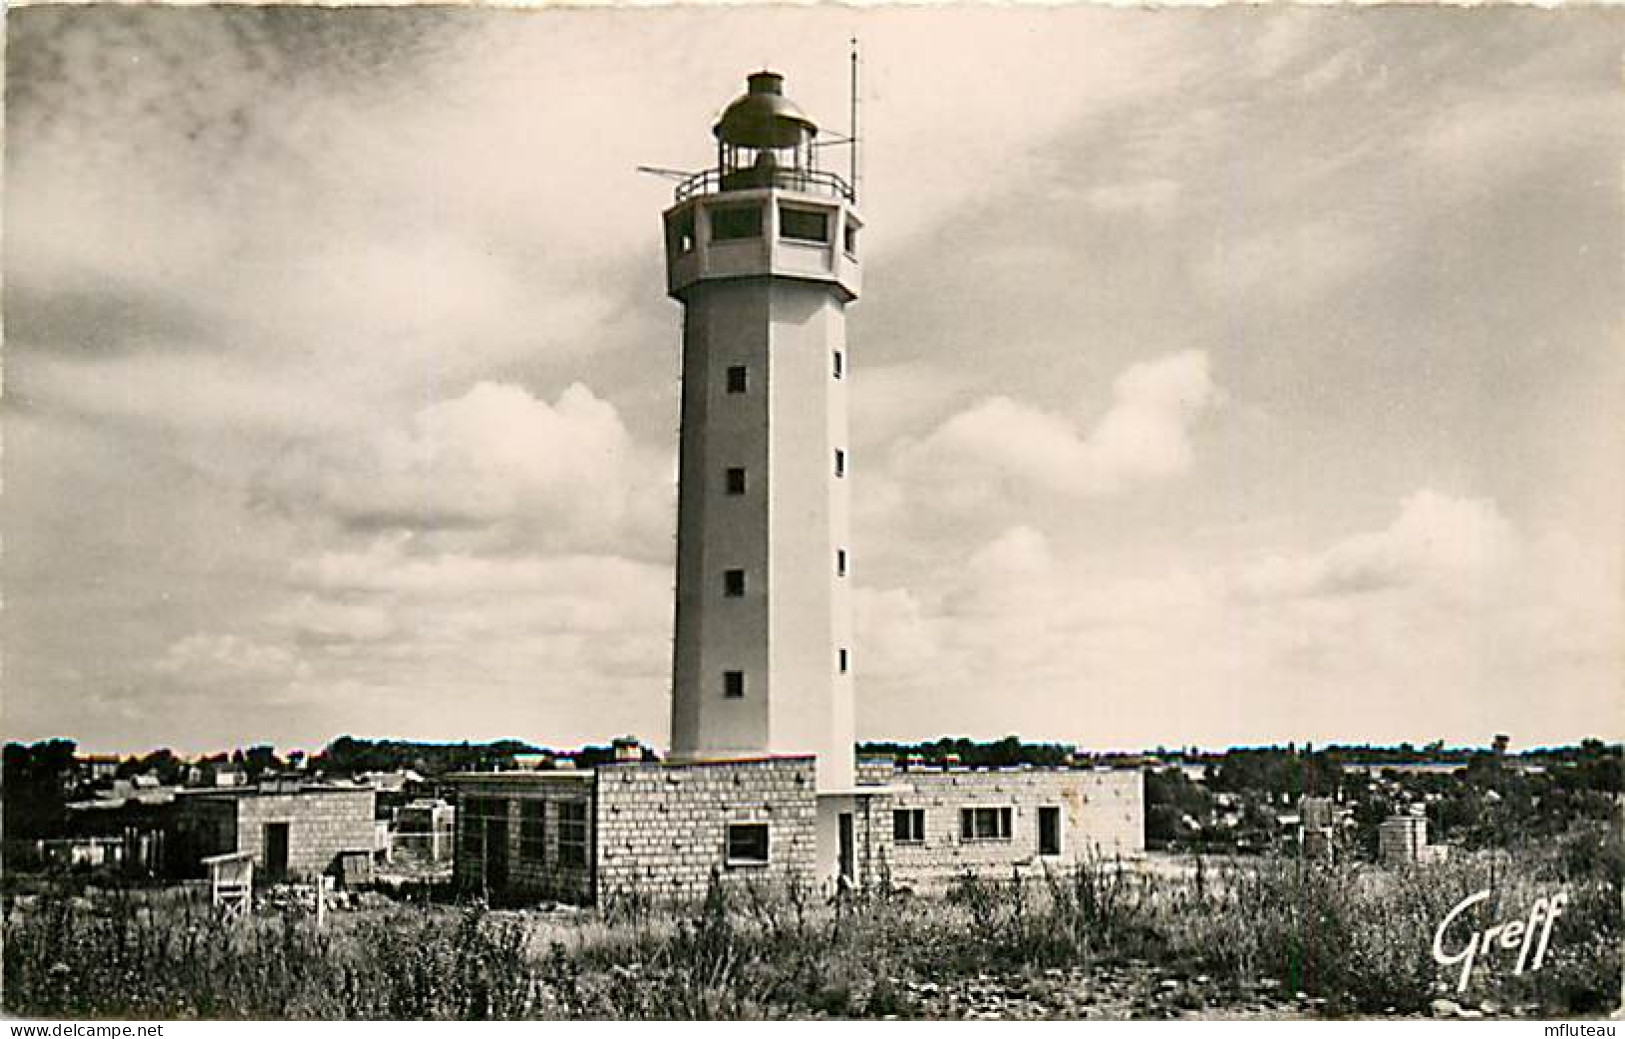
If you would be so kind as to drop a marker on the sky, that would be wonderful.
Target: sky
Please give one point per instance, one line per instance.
(1224, 376)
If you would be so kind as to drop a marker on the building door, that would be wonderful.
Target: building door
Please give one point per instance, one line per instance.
(1049, 830)
(847, 868)
(496, 854)
(276, 850)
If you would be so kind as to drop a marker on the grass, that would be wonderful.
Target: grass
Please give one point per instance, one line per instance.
(1354, 937)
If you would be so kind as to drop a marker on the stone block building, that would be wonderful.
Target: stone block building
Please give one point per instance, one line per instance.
(293, 830)
(661, 830)
(1403, 838)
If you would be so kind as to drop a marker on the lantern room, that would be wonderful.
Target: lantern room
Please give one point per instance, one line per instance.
(763, 139)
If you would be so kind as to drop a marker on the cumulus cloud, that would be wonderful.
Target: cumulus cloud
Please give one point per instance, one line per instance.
(206, 660)
(494, 466)
(1448, 621)
(1446, 542)
(1143, 437)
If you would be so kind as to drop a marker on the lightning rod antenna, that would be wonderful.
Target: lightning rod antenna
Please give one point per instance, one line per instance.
(854, 120)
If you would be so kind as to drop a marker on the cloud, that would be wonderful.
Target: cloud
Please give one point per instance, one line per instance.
(1445, 542)
(207, 660)
(1143, 437)
(1153, 198)
(1448, 621)
(494, 466)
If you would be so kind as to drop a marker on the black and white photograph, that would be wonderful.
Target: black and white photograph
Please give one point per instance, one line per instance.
(962, 512)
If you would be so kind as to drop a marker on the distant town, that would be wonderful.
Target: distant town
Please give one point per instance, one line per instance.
(112, 813)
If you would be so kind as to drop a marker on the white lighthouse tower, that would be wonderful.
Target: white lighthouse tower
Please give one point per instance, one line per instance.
(762, 252)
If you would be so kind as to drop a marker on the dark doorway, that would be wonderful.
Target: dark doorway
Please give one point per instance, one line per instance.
(1049, 830)
(496, 854)
(847, 868)
(276, 850)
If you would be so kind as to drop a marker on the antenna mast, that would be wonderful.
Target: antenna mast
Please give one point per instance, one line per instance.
(854, 119)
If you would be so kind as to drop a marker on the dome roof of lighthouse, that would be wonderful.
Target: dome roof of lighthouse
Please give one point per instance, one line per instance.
(763, 117)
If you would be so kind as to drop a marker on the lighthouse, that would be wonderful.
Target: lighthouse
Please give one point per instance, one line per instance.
(760, 785)
(762, 253)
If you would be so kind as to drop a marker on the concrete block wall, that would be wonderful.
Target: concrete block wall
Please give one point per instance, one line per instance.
(1101, 813)
(662, 829)
(321, 822)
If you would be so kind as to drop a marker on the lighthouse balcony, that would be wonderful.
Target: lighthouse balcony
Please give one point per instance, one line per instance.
(763, 232)
(789, 178)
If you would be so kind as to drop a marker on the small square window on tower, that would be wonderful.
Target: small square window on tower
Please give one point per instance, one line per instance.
(840, 462)
(840, 562)
(733, 583)
(738, 378)
(736, 480)
(839, 364)
(733, 685)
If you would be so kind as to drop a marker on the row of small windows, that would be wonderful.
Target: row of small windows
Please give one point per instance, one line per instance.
(740, 222)
(733, 682)
(734, 476)
(979, 823)
(733, 581)
(738, 376)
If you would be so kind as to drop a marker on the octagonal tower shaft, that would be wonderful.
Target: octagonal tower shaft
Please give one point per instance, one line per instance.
(765, 266)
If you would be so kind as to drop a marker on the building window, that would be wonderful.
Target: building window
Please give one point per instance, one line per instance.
(733, 684)
(803, 225)
(532, 831)
(839, 364)
(729, 223)
(733, 583)
(840, 562)
(747, 844)
(843, 660)
(1049, 830)
(736, 481)
(738, 378)
(840, 462)
(681, 230)
(850, 238)
(908, 826)
(472, 814)
(573, 833)
(984, 824)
